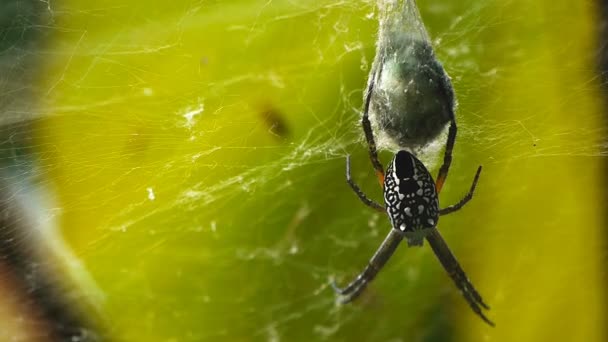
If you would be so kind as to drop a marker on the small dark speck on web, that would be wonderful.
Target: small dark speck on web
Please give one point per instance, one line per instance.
(274, 120)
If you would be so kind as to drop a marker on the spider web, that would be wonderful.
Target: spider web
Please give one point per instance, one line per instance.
(189, 161)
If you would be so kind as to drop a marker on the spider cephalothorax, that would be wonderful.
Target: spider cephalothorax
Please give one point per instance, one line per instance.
(410, 197)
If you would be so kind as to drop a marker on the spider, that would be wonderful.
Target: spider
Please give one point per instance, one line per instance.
(412, 205)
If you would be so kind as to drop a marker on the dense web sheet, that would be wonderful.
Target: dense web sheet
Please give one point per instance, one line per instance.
(196, 150)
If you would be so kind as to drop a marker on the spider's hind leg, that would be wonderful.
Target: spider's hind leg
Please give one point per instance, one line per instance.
(367, 127)
(465, 199)
(366, 200)
(442, 175)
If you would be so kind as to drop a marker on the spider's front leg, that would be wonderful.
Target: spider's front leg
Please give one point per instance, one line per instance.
(452, 267)
(354, 289)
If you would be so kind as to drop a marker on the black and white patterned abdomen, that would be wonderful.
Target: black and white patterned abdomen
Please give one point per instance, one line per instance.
(410, 197)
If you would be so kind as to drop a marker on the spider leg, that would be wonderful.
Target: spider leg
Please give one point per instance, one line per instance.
(465, 199)
(367, 128)
(451, 265)
(368, 202)
(375, 264)
(447, 156)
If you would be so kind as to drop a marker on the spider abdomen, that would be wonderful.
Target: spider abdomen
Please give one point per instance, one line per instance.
(410, 197)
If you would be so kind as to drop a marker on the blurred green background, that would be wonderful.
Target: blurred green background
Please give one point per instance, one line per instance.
(197, 151)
